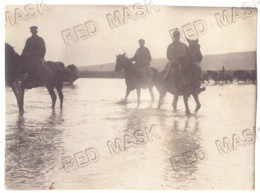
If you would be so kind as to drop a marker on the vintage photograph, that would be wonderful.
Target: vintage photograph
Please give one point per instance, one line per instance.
(137, 97)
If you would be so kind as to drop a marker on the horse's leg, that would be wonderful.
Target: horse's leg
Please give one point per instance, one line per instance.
(53, 95)
(22, 99)
(59, 90)
(19, 94)
(127, 93)
(162, 94)
(196, 98)
(151, 92)
(175, 100)
(138, 95)
(185, 99)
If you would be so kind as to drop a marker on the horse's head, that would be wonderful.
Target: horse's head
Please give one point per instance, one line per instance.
(194, 50)
(74, 70)
(121, 60)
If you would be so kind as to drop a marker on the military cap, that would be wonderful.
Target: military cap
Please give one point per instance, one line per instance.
(33, 28)
(176, 32)
(141, 40)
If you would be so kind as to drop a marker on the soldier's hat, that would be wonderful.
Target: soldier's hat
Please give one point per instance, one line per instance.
(33, 28)
(175, 32)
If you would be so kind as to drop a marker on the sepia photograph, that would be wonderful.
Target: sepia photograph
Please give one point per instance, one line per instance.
(133, 97)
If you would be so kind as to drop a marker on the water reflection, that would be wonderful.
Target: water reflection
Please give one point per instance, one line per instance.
(182, 144)
(139, 119)
(32, 151)
(180, 136)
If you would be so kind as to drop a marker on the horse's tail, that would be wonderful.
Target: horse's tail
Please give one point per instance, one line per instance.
(158, 81)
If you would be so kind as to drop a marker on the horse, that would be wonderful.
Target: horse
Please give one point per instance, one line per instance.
(227, 78)
(252, 76)
(241, 75)
(204, 77)
(214, 75)
(189, 71)
(17, 78)
(134, 76)
(219, 76)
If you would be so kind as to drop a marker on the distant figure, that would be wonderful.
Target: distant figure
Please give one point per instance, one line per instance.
(143, 58)
(33, 56)
(222, 76)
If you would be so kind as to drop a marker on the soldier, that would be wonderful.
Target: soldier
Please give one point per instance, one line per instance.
(33, 55)
(175, 52)
(143, 58)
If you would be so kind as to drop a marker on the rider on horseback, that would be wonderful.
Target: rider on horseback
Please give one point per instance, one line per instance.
(143, 58)
(33, 57)
(176, 54)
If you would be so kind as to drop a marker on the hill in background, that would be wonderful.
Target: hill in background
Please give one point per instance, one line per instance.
(231, 61)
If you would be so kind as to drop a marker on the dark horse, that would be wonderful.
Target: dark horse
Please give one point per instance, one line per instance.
(245, 76)
(133, 76)
(227, 78)
(220, 76)
(252, 76)
(190, 74)
(241, 75)
(16, 78)
(204, 77)
(214, 75)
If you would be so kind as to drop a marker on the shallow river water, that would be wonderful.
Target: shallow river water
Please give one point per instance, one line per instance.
(94, 116)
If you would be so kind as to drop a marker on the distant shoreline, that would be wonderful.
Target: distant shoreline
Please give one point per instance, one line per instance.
(118, 75)
(104, 74)
(231, 61)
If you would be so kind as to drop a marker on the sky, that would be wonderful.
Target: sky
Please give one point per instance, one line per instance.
(236, 33)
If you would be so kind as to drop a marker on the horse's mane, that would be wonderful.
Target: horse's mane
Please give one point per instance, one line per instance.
(130, 67)
(12, 66)
(193, 44)
(10, 50)
(8, 46)
(11, 57)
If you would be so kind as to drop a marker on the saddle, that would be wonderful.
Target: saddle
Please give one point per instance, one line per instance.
(36, 72)
(143, 73)
(182, 78)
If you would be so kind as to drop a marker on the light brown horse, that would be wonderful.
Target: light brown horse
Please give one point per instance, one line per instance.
(16, 77)
(190, 76)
